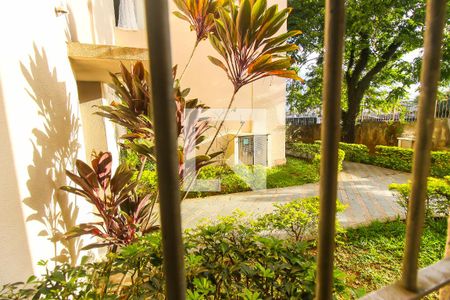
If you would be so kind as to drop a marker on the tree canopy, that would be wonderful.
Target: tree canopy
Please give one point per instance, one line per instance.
(382, 41)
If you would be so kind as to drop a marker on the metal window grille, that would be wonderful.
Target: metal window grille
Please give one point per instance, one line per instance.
(413, 284)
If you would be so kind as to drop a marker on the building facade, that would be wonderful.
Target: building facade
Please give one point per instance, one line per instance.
(54, 64)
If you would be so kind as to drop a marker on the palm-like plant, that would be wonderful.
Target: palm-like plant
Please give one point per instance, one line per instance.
(200, 15)
(124, 215)
(246, 38)
(134, 113)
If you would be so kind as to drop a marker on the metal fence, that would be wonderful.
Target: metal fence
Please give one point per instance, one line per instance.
(413, 284)
(302, 120)
(442, 111)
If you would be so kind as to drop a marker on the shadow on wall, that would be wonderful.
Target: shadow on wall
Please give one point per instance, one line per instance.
(15, 258)
(55, 148)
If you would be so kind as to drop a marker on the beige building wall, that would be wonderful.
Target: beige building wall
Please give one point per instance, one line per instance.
(210, 84)
(41, 119)
(41, 133)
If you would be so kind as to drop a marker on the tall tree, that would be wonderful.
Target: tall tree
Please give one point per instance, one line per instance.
(380, 38)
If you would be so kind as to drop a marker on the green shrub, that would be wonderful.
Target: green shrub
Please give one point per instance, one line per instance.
(148, 182)
(299, 219)
(402, 159)
(440, 163)
(228, 259)
(393, 158)
(305, 151)
(311, 152)
(230, 182)
(356, 152)
(437, 198)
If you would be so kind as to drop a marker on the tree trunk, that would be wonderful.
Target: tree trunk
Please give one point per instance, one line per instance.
(354, 98)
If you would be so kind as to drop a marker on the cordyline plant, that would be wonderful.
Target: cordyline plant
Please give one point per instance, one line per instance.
(134, 110)
(134, 113)
(200, 14)
(246, 38)
(123, 214)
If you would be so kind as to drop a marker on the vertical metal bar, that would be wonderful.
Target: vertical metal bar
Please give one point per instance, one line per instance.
(158, 34)
(429, 77)
(331, 108)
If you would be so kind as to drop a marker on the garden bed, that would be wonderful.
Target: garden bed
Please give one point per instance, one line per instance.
(295, 172)
(240, 258)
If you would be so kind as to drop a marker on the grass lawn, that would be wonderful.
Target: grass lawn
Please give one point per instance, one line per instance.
(371, 256)
(294, 172)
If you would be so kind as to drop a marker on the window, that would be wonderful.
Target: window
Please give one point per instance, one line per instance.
(125, 14)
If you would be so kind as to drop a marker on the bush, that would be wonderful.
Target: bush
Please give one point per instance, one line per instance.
(356, 152)
(440, 163)
(311, 152)
(299, 219)
(437, 198)
(393, 158)
(229, 259)
(402, 159)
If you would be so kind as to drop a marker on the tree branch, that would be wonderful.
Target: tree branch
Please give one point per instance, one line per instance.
(385, 58)
(351, 61)
(361, 64)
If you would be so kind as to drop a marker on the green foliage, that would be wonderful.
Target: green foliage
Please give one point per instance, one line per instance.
(393, 158)
(353, 152)
(299, 218)
(371, 256)
(247, 41)
(356, 152)
(294, 172)
(440, 163)
(376, 72)
(133, 161)
(148, 184)
(437, 197)
(229, 259)
(311, 152)
(401, 159)
(390, 157)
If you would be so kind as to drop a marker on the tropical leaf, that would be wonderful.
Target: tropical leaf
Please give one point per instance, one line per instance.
(246, 39)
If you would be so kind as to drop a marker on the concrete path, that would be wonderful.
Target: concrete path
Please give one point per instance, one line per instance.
(363, 188)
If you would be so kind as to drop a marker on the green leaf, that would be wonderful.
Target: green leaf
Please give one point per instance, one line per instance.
(244, 20)
(218, 63)
(181, 16)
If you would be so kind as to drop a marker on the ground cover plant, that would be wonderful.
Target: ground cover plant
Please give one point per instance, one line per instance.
(233, 258)
(371, 256)
(238, 257)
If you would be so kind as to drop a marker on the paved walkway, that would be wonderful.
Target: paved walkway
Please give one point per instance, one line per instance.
(363, 188)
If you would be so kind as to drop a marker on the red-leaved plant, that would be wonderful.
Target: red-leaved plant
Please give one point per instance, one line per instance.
(123, 215)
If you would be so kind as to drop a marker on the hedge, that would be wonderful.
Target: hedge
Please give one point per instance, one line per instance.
(393, 158)
(401, 159)
(354, 152)
(311, 152)
(385, 156)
